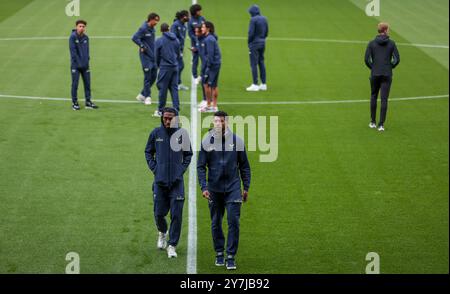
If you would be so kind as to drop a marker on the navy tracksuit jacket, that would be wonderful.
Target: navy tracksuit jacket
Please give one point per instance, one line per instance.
(168, 166)
(257, 33)
(179, 29)
(79, 64)
(145, 39)
(167, 52)
(213, 58)
(194, 22)
(227, 164)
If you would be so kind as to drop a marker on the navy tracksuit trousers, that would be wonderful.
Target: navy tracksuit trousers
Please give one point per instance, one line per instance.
(218, 203)
(168, 81)
(382, 85)
(169, 199)
(86, 76)
(257, 59)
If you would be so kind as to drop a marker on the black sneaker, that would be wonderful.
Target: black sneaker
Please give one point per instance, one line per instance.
(75, 106)
(91, 105)
(230, 263)
(220, 259)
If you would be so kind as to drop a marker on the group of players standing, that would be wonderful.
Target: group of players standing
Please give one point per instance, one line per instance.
(162, 59)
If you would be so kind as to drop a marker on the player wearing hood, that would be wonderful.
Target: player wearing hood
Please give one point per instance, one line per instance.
(168, 154)
(167, 52)
(258, 30)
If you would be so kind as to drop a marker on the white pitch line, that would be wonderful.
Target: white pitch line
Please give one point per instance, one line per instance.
(314, 40)
(293, 102)
(191, 265)
(191, 262)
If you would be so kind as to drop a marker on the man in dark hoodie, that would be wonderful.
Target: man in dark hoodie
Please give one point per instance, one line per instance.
(195, 21)
(79, 64)
(257, 34)
(145, 39)
(381, 57)
(179, 29)
(167, 52)
(168, 154)
(223, 155)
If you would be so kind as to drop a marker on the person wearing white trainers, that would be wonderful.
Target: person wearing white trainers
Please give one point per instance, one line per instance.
(145, 39)
(213, 59)
(162, 240)
(198, 80)
(168, 153)
(381, 58)
(196, 20)
(202, 104)
(178, 28)
(148, 101)
(171, 252)
(143, 99)
(140, 98)
(157, 113)
(182, 87)
(257, 33)
(253, 88)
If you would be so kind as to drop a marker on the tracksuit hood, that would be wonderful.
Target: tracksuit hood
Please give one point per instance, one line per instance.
(254, 10)
(176, 121)
(170, 35)
(74, 32)
(382, 39)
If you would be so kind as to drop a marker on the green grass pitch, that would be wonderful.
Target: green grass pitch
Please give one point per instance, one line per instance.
(78, 181)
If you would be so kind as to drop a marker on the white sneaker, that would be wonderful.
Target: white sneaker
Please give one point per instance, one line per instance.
(253, 88)
(381, 128)
(197, 80)
(263, 87)
(182, 87)
(373, 125)
(171, 253)
(148, 101)
(140, 98)
(202, 104)
(157, 113)
(213, 109)
(203, 109)
(162, 241)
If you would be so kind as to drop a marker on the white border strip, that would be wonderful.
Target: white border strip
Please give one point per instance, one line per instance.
(193, 101)
(314, 40)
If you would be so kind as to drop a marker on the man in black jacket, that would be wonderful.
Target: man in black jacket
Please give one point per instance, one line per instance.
(223, 154)
(168, 154)
(381, 57)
